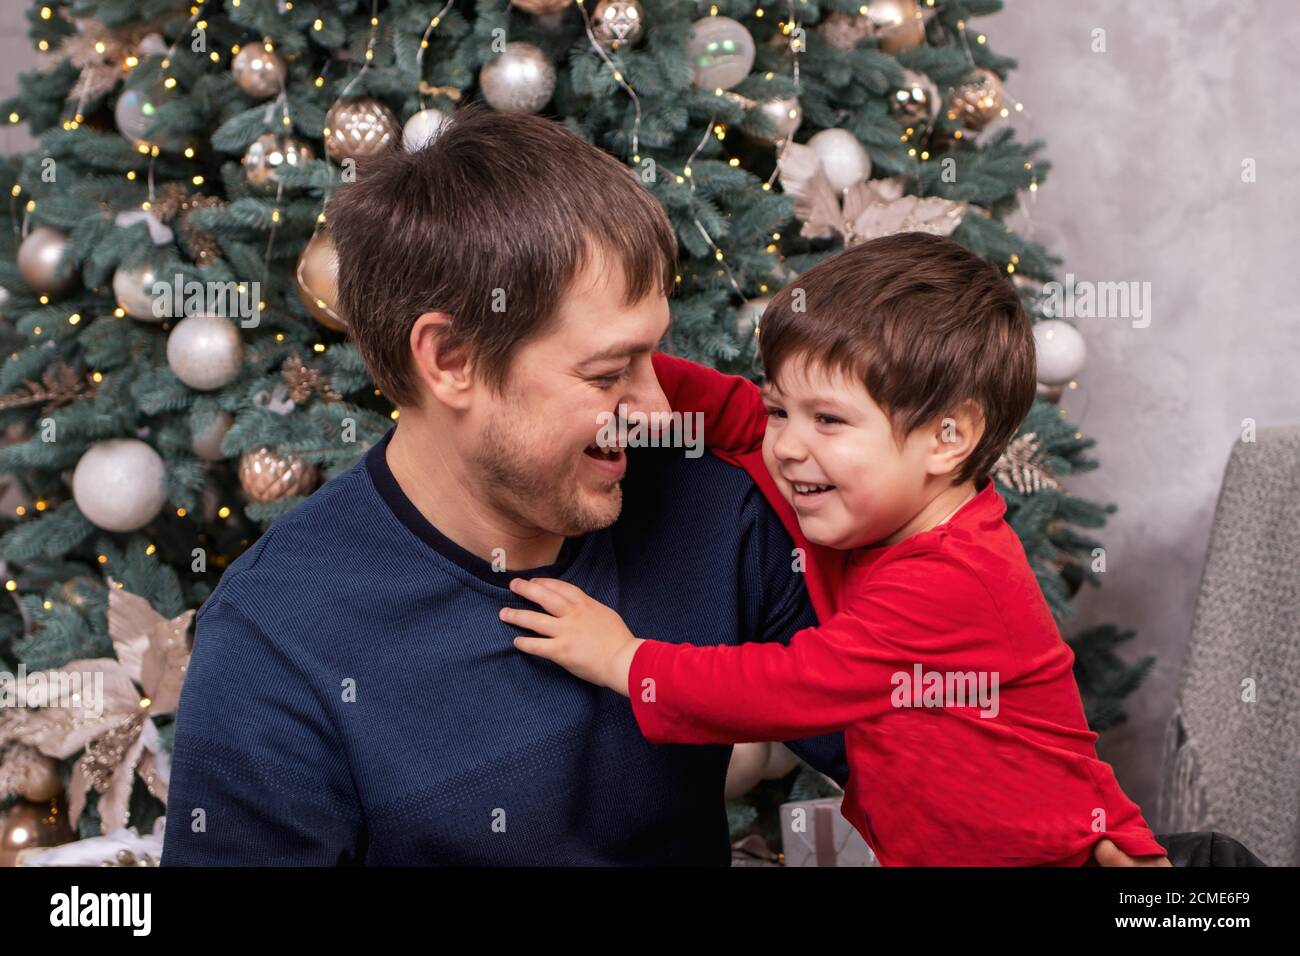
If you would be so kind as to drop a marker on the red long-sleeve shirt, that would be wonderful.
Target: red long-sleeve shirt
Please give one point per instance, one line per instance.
(1009, 777)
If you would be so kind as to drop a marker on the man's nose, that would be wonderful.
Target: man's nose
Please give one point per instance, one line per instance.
(645, 397)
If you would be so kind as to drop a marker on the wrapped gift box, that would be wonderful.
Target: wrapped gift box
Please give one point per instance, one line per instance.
(815, 833)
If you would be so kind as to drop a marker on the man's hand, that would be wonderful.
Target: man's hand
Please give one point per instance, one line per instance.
(583, 636)
(1107, 853)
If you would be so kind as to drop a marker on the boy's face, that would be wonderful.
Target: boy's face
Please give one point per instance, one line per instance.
(832, 453)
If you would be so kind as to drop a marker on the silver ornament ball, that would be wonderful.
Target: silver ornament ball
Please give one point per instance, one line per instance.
(120, 484)
(206, 444)
(135, 113)
(721, 51)
(520, 80)
(40, 262)
(133, 288)
(205, 351)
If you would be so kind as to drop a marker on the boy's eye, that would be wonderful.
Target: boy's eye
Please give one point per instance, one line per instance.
(829, 420)
(774, 412)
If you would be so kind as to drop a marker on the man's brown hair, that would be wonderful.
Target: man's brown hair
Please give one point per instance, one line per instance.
(490, 223)
(920, 321)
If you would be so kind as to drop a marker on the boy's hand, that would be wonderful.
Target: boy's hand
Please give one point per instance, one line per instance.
(583, 636)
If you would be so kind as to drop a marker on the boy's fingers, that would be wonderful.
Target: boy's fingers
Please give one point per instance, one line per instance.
(564, 589)
(536, 646)
(539, 593)
(533, 620)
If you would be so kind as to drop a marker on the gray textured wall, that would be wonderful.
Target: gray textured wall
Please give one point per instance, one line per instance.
(1147, 142)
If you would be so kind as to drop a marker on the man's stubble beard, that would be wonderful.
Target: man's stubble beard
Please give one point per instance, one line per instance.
(536, 495)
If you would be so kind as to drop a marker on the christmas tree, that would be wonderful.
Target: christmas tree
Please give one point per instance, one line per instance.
(175, 371)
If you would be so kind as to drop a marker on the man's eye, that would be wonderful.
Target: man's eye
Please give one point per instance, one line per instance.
(609, 381)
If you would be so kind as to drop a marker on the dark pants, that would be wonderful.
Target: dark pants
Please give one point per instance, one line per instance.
(1206, 849)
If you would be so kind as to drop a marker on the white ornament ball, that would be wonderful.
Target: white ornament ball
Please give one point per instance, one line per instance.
(205, 351)
(721, 51)
(1061, 351)
(520, 80)
(423, 128)
(207, 443)
(133, 288)
(844, 159)
(120, 484)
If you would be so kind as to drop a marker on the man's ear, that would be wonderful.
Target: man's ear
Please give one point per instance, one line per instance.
(444, 370)
(954, 438)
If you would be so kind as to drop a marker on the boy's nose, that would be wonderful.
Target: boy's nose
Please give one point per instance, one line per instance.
(789, 446)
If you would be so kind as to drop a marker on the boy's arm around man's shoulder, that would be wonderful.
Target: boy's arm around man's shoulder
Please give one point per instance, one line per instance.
(259, 773)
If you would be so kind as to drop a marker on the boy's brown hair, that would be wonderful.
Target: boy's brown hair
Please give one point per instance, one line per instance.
(490, 223)
(924, 324)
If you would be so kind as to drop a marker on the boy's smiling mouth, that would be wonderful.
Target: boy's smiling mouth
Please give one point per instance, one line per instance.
(802, 488)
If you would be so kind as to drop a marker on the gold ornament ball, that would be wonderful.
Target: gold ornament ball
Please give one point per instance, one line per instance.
(40, 258)
(271, 152)
(42, 781)
(27, 824)
(258, 71)
(785, 115)
(317, 278)
(266, 475)
(541, 7)
(360, 129)
(916, 102)
(617, 23)
(978, 101)
(898, 24)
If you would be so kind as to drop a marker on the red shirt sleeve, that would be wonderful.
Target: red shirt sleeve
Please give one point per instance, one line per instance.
(926, 608)
(734, 414)
(735, 419)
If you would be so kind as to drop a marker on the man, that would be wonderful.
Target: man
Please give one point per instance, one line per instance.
(353, 696)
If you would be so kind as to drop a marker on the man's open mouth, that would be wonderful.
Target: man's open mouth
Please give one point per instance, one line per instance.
(612, 453)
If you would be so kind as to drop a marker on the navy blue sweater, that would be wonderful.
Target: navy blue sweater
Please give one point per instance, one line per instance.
(354, 698)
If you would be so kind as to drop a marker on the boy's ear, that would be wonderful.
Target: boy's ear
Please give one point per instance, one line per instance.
(955, 437)
(445, 371)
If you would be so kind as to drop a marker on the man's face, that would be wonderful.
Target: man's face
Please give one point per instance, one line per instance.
(536, 450)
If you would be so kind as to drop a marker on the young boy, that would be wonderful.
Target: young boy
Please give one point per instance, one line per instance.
(897, 372)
